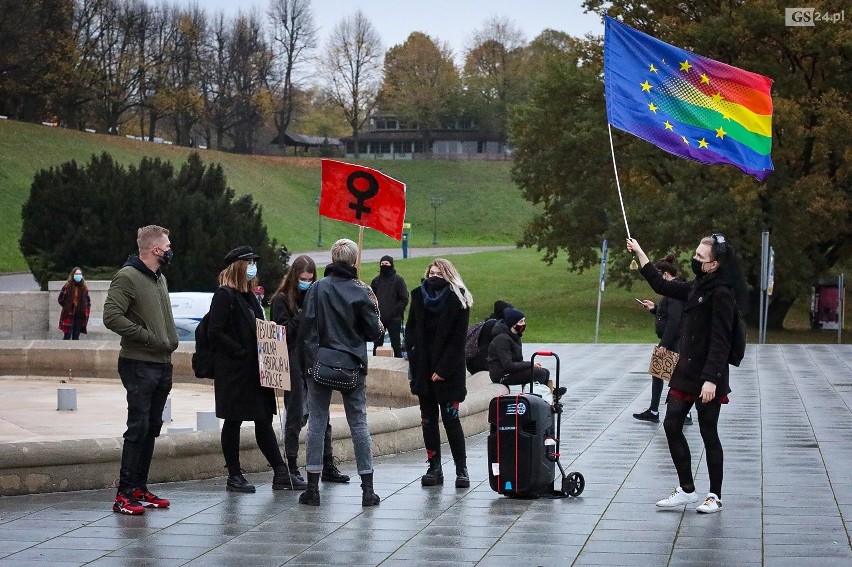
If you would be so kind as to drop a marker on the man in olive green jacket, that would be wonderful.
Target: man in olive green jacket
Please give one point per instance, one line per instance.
(138, 308)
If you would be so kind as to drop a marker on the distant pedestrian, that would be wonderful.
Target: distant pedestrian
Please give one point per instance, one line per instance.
(701, 374)
(137, 307)
(667, 314)
(392, 293)
(232, 331)
(341, 314)
(76, 305)
(288, 302)
(435, 335)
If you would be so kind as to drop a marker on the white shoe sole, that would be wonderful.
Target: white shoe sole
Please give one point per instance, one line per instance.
(666, 503)
(714, 510)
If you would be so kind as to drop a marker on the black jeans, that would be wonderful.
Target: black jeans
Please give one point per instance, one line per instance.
(148, 385)
(429, 408)
(532, 374)
(74, 334)
(708, 421)
(394, 328)
(297, 419)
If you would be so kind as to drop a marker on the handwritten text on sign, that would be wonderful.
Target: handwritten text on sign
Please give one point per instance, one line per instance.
(272, 355)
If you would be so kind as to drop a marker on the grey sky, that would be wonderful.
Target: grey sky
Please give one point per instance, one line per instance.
(452, 21)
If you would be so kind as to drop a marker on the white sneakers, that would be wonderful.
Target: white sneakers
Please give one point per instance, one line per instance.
(711, 505)
(678, 498)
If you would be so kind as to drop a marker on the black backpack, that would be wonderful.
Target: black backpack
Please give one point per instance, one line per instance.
(202, 358)
(471, 342)
(738, 339)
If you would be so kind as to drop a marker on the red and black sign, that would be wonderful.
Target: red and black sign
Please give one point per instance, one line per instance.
(363, 196)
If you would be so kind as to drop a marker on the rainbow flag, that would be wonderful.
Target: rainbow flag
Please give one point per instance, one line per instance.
(686, 104)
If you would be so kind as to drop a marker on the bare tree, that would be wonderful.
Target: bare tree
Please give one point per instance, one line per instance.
(294, 36)
(353, 60)
(250, 65)
(493, 71)
(118, 52)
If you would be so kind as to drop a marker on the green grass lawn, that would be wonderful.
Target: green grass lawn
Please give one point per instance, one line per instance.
(480, 204)
(560, 306)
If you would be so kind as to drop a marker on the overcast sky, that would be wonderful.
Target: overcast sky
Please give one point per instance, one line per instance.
(452, 21)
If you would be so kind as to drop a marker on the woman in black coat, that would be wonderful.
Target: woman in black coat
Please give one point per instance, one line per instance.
(236, 373)
(286, 310)
(435, 334)
(701, 374)
(667, 315)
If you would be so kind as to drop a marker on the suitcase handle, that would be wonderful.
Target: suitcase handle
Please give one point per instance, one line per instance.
(549, 353)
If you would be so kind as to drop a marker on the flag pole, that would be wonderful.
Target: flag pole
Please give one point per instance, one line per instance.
(360, 245)
(617, 184)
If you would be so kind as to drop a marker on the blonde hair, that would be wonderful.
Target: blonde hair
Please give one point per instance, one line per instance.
(234, 276)
(148, 235)
(454, 279)
(344, 250)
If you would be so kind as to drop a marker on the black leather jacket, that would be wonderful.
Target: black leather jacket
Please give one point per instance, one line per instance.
(340, 312)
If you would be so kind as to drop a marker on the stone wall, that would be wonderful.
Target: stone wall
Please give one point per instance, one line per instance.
(35, 314)
(82, 464)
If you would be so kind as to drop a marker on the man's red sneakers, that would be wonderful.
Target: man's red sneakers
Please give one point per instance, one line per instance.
(125, 505)
(149, 499)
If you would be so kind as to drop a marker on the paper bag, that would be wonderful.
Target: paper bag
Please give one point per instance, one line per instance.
(663, 363)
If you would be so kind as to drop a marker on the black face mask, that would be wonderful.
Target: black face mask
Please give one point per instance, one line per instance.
(436, 283)
(386, 270)
(696, 268)
(166, 258)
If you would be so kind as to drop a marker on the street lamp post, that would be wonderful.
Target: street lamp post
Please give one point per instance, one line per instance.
(435, 202)
(319, 223)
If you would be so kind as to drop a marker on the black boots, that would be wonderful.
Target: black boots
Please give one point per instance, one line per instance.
(462, 478)
(286, 479)
(435, 475)
(368, 497)
(238, 483)
(311, 496)
(330, 472)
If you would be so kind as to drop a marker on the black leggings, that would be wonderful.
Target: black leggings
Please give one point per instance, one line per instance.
(266, 442)
(708, 421)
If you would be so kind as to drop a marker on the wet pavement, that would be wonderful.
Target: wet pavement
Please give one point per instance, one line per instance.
(787, 497)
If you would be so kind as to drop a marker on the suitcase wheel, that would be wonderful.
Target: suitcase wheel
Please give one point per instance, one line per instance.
(573, 484)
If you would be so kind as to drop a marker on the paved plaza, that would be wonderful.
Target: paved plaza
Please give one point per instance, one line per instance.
(787, 494)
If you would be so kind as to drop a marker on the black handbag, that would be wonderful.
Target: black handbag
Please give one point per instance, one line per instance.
(335, 369)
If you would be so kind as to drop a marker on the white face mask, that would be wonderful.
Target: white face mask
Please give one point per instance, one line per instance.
(251, 271)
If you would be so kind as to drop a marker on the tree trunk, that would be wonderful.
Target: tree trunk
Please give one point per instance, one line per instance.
(778, 308)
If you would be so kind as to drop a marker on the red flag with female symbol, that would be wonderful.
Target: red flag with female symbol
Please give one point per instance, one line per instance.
(363, 196)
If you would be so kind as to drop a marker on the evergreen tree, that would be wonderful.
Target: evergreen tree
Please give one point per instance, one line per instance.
(88, 216)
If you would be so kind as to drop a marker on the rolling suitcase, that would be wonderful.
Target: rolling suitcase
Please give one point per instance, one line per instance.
(523, 445)
(521, 433)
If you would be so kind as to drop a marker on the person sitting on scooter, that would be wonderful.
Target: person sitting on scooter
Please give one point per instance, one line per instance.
(506, 363)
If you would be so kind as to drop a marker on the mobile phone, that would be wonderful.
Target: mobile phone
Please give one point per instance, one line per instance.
(639, 301)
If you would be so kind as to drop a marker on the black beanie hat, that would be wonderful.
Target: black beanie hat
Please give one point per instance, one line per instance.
(511, 316)
(386, 259)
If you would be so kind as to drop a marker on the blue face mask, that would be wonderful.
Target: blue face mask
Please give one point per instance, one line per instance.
(304, 286)
(78, 278)
(251, 271)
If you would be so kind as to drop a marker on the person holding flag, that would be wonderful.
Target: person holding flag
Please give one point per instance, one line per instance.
(701, 374)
